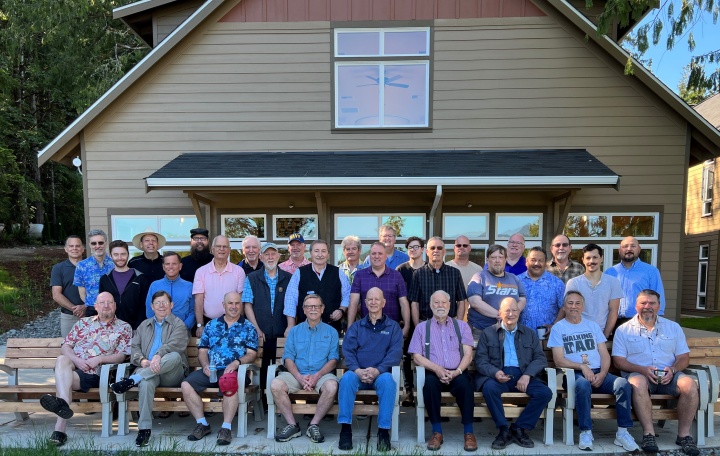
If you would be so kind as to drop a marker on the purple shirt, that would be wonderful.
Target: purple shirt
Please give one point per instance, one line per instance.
(390, 282)
(444, 345)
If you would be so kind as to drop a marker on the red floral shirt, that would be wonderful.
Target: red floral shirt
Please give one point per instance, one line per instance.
(90, 338)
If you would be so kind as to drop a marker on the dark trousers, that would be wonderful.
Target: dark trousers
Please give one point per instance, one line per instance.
(407, 360)
(268, 358)
(462, 389)
(539, 394)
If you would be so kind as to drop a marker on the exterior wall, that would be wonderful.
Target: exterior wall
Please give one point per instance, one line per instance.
(689, 286)
(504, 83)
(695, 223)
(168, 19)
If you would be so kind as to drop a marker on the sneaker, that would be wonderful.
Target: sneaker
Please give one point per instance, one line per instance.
(503, 439)
(289, 432)
(56, 405)
(649, 445)
(345, 443)
(58, 438)
(199, 432)
(586, 440)
(521, 438)
(224, 436)
(688, 445)
(123, 386)
(625, 440)
(143, 438)
(383, 443)
(313, 431)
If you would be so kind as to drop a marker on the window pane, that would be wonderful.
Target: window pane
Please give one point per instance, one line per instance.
(285, 226)
(358, 43)
(527, 225)
(406, 225)
(177, 228)
(473, 226)
(639, 226)
(240, 227)
(358, 95)
(127, 227)
(586, 226)
(407, 43)
(702, 279)
(363, 226)
(405, 95)
(340, 257)
(477, 254)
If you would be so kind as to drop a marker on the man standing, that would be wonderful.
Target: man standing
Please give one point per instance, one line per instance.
(389, 281)
(489, 287)
(263, 298)
(179, 289)
(509, 358)
(158, 351)
(64, 293)
(352, 248)
(434, 276)
(603, 291)
(251, 251)
(296, 247)
(93, 341)
(129, 287)
(433, 346)
(199, 254)
(648, 343)
(515, 263)
(462, 260)
(213, 281)
(322, 279)
(415, 247)
(311, 355)
(89, 271)
(635, 275)
(544, 293)
(371, 348)
(150, 262)
(395, 257)
(561, 266)
(579, 344)
(226, 343)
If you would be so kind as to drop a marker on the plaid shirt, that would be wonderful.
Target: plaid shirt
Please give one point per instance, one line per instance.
(573, 269)
(427, 280)
(90, 338)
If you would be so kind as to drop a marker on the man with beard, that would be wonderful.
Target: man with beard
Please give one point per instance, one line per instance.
(635, 275)
(544, 293)
(150, 262)
(128, 287)
(561, 266)
(296, 248)
(488, 288)
(251, 251)
(89, 271)
(644, 345)
(199, 254)
(395, 257)
(462, 260)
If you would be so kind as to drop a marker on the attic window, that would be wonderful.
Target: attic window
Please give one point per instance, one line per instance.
(708, 182)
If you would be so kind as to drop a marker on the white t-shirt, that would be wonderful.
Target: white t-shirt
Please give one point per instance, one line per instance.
(579, 341)
(597, 298)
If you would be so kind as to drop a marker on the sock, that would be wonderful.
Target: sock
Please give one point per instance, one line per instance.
(384, 432)
(136, 378)
(437, 427)
(468, 428)
(227, 425)
(346, 428)
(621, 430)
(202, 421)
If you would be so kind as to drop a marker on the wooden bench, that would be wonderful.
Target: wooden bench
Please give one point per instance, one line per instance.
(22, 398)
(705, 354)
(513, 403)
(304, 402)
(173, 396)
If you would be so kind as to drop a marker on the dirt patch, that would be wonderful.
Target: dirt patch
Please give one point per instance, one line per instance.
(29, 269)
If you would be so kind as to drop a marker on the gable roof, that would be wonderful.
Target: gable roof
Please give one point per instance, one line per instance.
(710, 110)
(68, 139)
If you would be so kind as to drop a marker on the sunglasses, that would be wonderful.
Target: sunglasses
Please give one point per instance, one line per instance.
(559, 244)
(98, 243)
(462, 245)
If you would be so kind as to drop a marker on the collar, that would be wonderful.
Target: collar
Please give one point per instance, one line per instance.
(502, 325)
(240, 321)
(380, 321)
(228, 266)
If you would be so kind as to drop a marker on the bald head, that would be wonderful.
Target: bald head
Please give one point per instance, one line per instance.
(509, 312)
(629, 250)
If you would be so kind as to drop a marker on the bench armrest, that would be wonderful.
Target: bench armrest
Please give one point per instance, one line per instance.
(569, 385)
(242, 375)
(713, 379)
(701, 377)
(108, 375)
(271, 374)
(419, 384)
(122, 371)
(551, 373)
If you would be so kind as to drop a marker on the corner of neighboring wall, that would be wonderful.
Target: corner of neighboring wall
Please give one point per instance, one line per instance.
(683, 215)
(86, 198)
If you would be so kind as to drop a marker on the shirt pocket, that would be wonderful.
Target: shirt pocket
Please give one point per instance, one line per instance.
(667, 344)
(635, 345)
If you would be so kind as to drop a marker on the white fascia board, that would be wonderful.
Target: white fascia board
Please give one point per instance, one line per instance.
(137, 7)
(449, 181)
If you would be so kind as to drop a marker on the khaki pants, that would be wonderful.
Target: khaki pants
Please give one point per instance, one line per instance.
(67, 321)
(171, 374)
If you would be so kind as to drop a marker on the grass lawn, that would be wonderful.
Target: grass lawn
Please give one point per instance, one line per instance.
(706, 324)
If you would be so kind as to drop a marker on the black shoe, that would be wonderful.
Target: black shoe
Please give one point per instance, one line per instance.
(409, 400)
(345, 443)
(143, 438)
(56, 405)
(649, 445)
(123, 386)
(521, 438)
(383, 441)
(58, 438)
(503, 439)
(688, 445)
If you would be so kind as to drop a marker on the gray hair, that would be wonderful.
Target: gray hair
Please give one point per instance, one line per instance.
(350, 239)
(251, 237)
(92, 233)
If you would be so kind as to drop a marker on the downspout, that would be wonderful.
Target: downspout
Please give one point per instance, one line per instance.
(433, 210)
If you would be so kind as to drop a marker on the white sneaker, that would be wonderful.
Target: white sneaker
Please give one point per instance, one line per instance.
(625, 440)
(586, 440)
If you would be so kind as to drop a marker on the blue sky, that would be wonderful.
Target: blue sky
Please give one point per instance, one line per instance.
(668, 65)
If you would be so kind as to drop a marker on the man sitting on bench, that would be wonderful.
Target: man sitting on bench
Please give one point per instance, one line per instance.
(92, 341)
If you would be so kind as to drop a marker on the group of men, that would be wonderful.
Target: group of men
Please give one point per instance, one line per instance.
(393, 303)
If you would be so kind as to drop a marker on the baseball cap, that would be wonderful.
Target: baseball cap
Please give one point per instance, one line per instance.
(296, 237)
(228, 383)
(269, 245)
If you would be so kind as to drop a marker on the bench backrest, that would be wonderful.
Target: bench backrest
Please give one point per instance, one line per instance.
(32, 353)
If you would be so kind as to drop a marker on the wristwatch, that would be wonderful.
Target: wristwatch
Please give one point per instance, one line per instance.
(674, 371)
(199, 325)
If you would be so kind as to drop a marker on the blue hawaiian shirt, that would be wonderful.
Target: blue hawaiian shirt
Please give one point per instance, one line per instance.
(544, 299)
(87, 275)
(226, 344)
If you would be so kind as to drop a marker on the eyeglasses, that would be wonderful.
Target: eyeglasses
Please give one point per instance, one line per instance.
(312, 306)
(437, 247)
(414, 247)
(98, 243)
(222, 247)
(462, 245)
(199, 239)
(561, 244)
(515, 243)
(161, 303)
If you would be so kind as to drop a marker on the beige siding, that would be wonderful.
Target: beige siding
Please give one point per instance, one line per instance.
(168, 19)
(498, 84)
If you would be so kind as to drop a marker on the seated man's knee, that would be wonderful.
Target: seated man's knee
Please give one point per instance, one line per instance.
(582, 386)
(278, 386)
(329, 387)
(172, 357)
(185, 387)
(687, 386)
(544, 393)
(63, 362)
(638, 382)
(491, 386)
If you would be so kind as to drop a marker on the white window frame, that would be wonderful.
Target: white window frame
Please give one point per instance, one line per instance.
(609, 251)
(280, 216)
(234, 241)
(499, 239)
(608, 228)
(446, 235)
(379, 219)
(171, 244)
(707, 190)
(703, 267)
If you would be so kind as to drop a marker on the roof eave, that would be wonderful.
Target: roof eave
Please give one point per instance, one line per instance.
(139, 7)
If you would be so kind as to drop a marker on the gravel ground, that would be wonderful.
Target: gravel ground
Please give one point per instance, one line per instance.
(47, 326)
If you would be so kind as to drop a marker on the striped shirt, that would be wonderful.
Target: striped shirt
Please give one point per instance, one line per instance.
(444, 345)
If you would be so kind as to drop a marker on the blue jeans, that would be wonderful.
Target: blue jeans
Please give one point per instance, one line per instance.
(385, 387)
(539, 394)
(611, 385)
